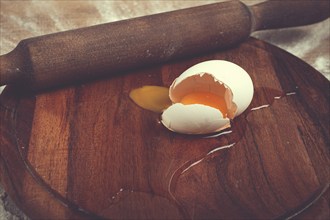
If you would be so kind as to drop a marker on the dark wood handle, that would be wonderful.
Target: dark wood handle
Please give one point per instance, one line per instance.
(10, 67)
(289, 13)
(109, 49)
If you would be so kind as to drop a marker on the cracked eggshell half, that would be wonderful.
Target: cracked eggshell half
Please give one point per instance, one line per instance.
(222, 78)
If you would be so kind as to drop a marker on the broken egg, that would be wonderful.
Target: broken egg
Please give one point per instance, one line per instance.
(204, 98)
(207, 96)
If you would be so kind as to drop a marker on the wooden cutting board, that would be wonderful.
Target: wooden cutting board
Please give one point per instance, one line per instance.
(88, 151)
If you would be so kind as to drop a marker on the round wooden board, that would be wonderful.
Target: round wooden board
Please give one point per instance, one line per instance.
(88, 151)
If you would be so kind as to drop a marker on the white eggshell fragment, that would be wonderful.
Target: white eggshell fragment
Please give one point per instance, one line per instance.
(194, 119)
(219, 77)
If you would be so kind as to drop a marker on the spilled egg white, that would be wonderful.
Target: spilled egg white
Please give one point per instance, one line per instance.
(222, 78)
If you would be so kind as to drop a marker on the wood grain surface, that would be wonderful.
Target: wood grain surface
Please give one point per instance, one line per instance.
(88, 151)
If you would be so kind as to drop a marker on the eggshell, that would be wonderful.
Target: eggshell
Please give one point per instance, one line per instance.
(228, 73)
(194, 119)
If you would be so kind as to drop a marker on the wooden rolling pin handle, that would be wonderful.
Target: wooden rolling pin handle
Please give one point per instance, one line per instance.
(274, 14)
(10, 68)
(108, 49)
(15, 68)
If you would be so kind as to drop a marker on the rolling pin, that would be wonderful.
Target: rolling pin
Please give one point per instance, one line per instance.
(110, 49)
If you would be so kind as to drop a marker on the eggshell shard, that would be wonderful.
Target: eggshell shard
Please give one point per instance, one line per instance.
(194, 119)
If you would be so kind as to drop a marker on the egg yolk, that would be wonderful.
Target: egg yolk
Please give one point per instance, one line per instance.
(206, 98)
(153, 98)
(156, 99)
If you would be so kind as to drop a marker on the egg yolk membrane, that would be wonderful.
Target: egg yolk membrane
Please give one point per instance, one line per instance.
(206, 98)
(153, 98)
